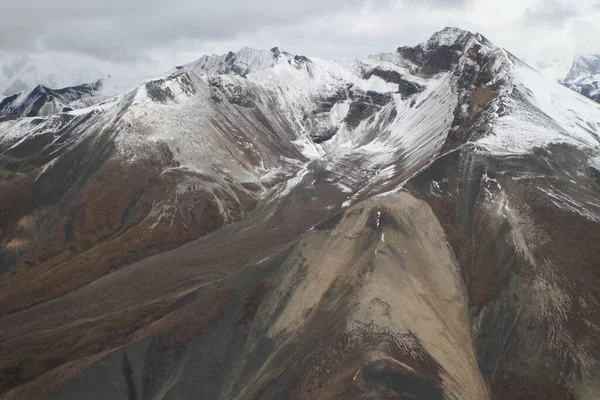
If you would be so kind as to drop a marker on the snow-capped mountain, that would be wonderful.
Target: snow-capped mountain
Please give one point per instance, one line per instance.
(243, 62)
(43, 101)
(24, 72)
(584, 76)
(416, 224)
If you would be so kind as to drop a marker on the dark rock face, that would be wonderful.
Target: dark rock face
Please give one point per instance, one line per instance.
(301, 61)
(441, 58)
(438, 54)
(160, 90)
(405, 88)
(159, 93)
(591, 91)
(320, 131)
(327, 103)
(233, 93)
(478, 74)
(364, 105)
(476, 96)
(324, 136)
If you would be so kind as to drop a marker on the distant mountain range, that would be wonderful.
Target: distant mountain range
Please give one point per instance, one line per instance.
(584, 76)
(27, 75)
(24, 72)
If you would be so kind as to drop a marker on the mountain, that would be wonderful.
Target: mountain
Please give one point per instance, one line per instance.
(244, 62)
(584, 76)
(43, 101)
(24, 72)
(417, 224)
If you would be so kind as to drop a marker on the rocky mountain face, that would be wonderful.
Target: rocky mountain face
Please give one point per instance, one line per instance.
(418, 224)
(584, 76)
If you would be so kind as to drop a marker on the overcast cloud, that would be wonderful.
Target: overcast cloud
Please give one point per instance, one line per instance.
(155, 35)
(553, 14)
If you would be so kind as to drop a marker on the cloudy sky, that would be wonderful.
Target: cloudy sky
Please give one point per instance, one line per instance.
(154, 35)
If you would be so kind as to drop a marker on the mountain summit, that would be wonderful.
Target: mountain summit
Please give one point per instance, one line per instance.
(422, 223)
(245, 61)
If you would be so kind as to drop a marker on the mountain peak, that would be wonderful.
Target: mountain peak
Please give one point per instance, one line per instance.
(448, 36)
(41, 89)
(444, 49)
(245, 61)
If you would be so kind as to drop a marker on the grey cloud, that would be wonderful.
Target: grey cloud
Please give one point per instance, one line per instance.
(120, 30)
(154, 35)
(549, 13)
(448, 4)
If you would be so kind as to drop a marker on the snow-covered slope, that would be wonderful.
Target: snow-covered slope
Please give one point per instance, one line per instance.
(584, 76)
(243, 62)
(536, 112)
